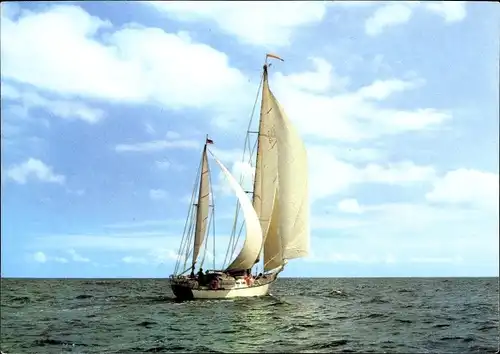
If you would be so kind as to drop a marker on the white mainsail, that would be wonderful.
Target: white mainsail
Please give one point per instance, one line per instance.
(287, 221)
(253, 242)
(266, 166)
(202, 207)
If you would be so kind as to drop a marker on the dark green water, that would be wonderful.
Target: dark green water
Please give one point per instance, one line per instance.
(409, 315)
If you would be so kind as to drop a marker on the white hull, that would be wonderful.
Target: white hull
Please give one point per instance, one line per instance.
(252, 291)
(189, 289)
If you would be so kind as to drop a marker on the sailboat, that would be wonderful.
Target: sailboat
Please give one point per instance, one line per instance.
(275, 218)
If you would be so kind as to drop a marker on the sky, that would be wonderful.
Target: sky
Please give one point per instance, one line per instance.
(105, 107)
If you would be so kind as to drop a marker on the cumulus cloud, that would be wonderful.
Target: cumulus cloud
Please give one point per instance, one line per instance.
(329, 175)
(451, 11)
(75, 257)
(387, 16)
(135, 63)
(268, 23)
(34, 169)
(468, 186)
(198, 76)
(350, 206)
(41, 257)
(355, 115)
(398, 13)
(67, 109)
(153, 257)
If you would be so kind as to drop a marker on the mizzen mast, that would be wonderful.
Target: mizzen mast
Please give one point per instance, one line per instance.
(203, 204)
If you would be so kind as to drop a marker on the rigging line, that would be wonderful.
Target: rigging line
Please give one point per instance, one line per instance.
(232, 245)
(213, 214)
(186, 237)
(247, 142)
(249, 126)
(189, 212)
(189, 238)
(191, 232)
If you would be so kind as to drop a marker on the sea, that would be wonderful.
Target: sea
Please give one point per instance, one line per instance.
(317, 315)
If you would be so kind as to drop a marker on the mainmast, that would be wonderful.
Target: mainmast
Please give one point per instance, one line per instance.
(262, 199)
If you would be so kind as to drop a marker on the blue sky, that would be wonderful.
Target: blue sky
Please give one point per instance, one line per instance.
(105, 107)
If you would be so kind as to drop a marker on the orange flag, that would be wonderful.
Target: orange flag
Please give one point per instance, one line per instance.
(268, 55)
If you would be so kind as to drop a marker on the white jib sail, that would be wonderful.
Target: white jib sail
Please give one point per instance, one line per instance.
(253, 242)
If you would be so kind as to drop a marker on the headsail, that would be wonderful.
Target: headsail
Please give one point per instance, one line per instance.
(202, 207)
(253, 242)
(293, 197)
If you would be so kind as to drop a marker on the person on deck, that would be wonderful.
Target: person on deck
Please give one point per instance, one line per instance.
(201, 276)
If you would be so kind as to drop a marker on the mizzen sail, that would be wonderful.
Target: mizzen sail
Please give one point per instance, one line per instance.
(202, 207)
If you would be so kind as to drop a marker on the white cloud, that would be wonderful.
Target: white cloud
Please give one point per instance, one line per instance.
(78, 258)
(451, 11)
(329, 175)
(153, 256)
(397, 173)
(432, 233)
(34, 168)
(135, 64)
(350, 206)
(321, 79)
(198, 76)
(355, 115)
(66, 109)
(164, 255)
(158, 194)
(134, 260)
(398, 13)
(157, 145)
(467, 186)
(386, 16)
(40, 257)
(267, 23)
